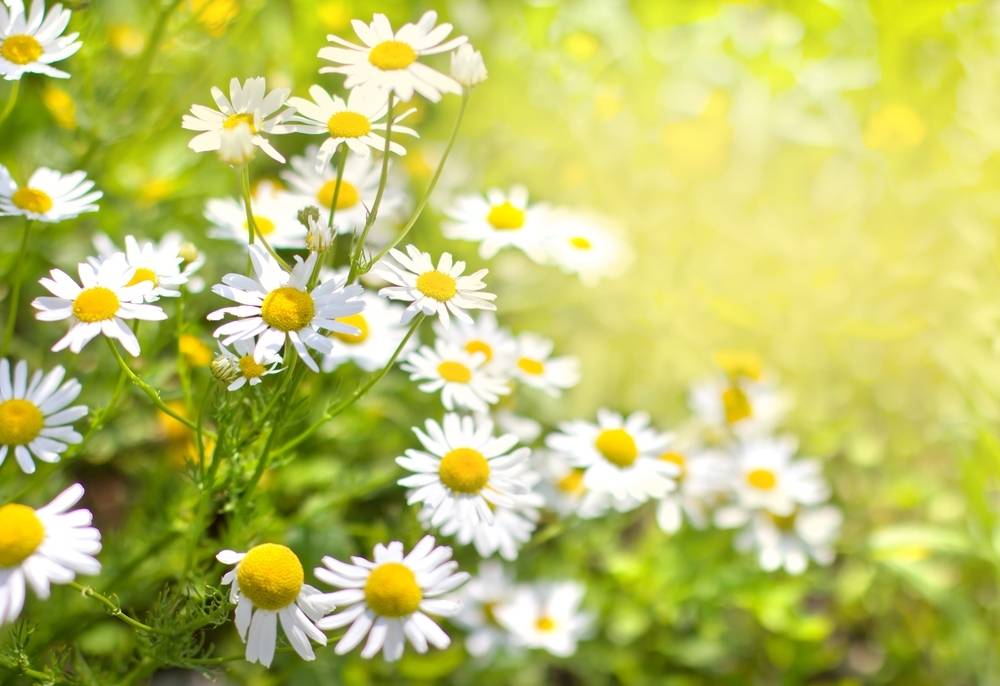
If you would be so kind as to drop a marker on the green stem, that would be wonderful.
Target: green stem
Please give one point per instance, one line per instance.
(373, 212)
(287, 393)
(252, 230)
(151, 393)
(341, 161)
(11, 100)
(114, 609)
(15, 288)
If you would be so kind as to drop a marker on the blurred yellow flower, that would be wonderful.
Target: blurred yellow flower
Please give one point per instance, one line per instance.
(215, 15)
(126, 39)
(156, 189)
(194, 351)
(895, 127)
(60, 105)
(581, 45)
(417, 165)
(171, 429)
(334, 15)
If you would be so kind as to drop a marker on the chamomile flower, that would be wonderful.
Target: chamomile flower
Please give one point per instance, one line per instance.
(546, 616)
(99, 306)
(463, 470)
(620, 456)
(587, 245)
(250, 105)
(30, 43)
(564, 491)
(34, 418)
(536, 367)
(500, 219)
(747, 407)
(704, 476)
(274, 214)
(359, 122)
(789, 542)
(484, 336)
(488, 590)
(390, 60)
(268, 585)
(389, 599)
(161, 264)
(50, 545)
(509, 529)
(460, 376)
(440, 291)
(246, 368)
(275, 305)
(49, 196)
(467, 66)
(378, 335)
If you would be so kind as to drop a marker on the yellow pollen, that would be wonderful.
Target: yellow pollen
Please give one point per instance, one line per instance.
(617, 446)
(530, 366)
(783, 522)
(359, 322)
(20, 421)
(464, 470)
(572, 482)
(234, 120)
(348, 124)
(545, 623)
(437, 285)
(21, 532)
(762, 479)
(270, 576)
(21, 49)
(477, 346)
(95, 304)
(580, 243)
(265, 227)
(32, 200)
(505, 217)
(392, 590)
(287, 308)
(455, 372)
(143, 274)
(392, 54)
(250, 367)
(347, 197)
(677, 459)
(736, 405)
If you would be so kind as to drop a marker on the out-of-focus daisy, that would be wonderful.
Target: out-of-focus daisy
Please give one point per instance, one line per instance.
(546, 616)
(587, 245)
(267, 585)
(439, 291)
(488, 590)
(50, 545)
(30, 43)
(620, 456)
(49, 196)
(161, 264)
(563, 489)
(526, 429)
(246, 368)
(536, 368)
(459, 375)
(704, 476)
(390, 60)
(467, 66)
(34, 418)
(276, 305)
(484, 336)
(250, 105)
(359, 123)
(379, 333)
(789, 542)
(100, 306)
(498, 220)
(744, 400)
(274, 213)
(389, 599)
(509, 529)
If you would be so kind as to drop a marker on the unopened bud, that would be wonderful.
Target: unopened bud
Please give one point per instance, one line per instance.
(225, 369)
(467, 66)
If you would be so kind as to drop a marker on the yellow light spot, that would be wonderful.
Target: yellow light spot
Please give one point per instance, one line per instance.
(234, 120)
(347, 197)
(95, 304)
(60, 105)
(21, 49)
(126, 39)
(437, 285)
(530, 366)
(505, 217)
(762, 479)
(193, 350)
(21, 532)
(392, 590)
(270, 576)
(698, 146)
(455, 372)
(215, 15)
(392, 54)
(783, 522)
(464, 470)
(581, 45)
(894, 128)
(173, 430)
(20, 421)
(334, 15)
(359, 322)
(572, 483)
(617, 446)
(143, 274)
(580, 243)
(251, 368)
(32, 200)
(736, 404)
(545, 623)
(677, 459)
(287, 309)
(740, 364)
(348, 124)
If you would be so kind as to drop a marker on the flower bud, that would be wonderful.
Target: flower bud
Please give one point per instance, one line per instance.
(467, 66)
(225, 369)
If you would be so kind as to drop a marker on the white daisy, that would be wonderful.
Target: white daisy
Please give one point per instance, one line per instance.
(30, 43)
(45, 546)
(620, 457)
(546, 616)
(379, 333)
(267, 585)
(509, 529)
(564, 490)
(249, 104)
(526, 429)
(390, 59)
(587, 245)
(245, 367)
(498, 220)
(276, 306)
(484, 336)
(487, 591)
(274, 212)
(536, 367)
(100, 306)
(388, 599)
(746, 407)
(789, 542)
(359, 123)
(435, 291)
(49, 196)
(459, 375)
(161, 264)
(705, 475)
(34, 418)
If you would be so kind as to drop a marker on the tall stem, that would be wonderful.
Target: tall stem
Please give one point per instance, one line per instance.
(151, 393)
(8, 106)
(15, 288)
(373, 212)
(253, 232)
(341, 161)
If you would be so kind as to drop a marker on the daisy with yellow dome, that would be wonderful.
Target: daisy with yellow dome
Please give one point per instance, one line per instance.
(31, 41)
(546, 615)
(460, 376)
(535, 366)
(241, 366)
(500, 219)
(484, 336)
(161, 264)
(48, 196)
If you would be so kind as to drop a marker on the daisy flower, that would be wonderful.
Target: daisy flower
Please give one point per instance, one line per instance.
(509, 529)
(274, 213)
(500, 219)
(276, 306)
(30, 43)
(34, 418)
(484, 336)
(546, 616)
(463, 470)
(467, 66)
(620, 456)
(99, 306)
(460, 376)
(45, 546)
(748, 408)
(49, 196)
(704, 476)
(564, 491)
(246, 369)
(789, 542)
(388, 599)
(250, 105)
(390, 60)
(160, 264)
(487, 591)
(439, 291)
(587, 245)
(268, 585)
(378, 335)
(537, 368)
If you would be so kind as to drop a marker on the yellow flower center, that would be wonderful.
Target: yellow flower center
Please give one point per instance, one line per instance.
(21, 532)
(270, 576)
(20, 421)
(478, 346)
(677, 459)
(464, 470)
(437, 285)
(736, 405)
(545, 623)
(21, 49)
(530, 366)
(392, 590)
(32, 200)
(359, 322)
(143, 274)
(265, 227)
(580, 243)
(95, 304)
(572, 482)
(348, 124)
(234, 120)
(287, 308)
(251, 368)
(783, 522)
(762, 479)
(392, 54)
(505, 217)
(617, 446)
(455, 372)
(347, 197)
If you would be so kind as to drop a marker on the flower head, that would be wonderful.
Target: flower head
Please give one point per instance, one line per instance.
(461, 376)
(30, 43)
(500, 219)
(49, 196)
(467, 66)
(546, 616)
